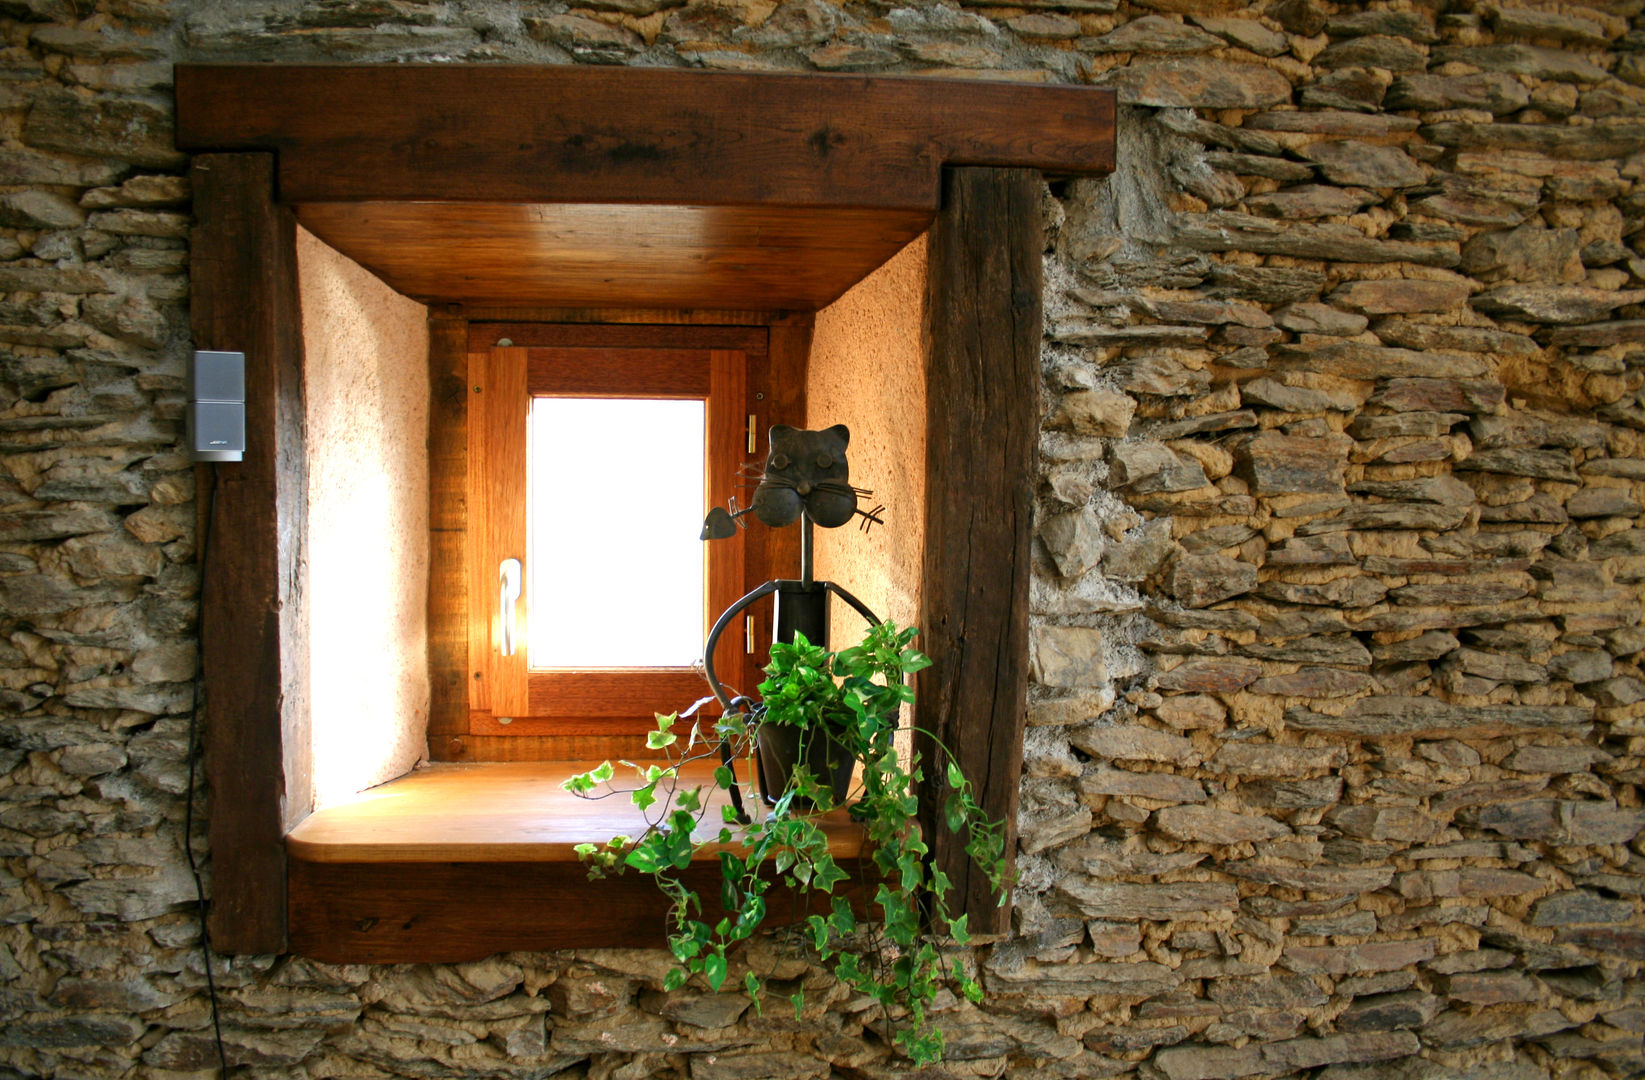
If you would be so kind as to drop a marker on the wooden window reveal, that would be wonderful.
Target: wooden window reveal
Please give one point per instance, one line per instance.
(724, 367)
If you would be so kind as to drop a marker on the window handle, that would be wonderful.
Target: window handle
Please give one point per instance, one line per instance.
(508, 577)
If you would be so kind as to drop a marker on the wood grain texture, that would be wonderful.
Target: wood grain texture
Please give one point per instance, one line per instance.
(599, 373)
(387, 913)
(598, 747)
(448, 515)
(254, 645)
(728, 423)
(528, 315)
(982, 419)
(504, 813)
(458, 862)
(618, 334)
(453, 734)
(662, 360)
(496, 525)
(580, 254)
(784, 390)
(583, 134)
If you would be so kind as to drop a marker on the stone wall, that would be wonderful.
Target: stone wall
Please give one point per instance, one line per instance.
(1336, 738)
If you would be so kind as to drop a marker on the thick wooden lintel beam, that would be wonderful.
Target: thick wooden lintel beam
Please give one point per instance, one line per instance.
(982, 393)
(254, 639)
(577, 134)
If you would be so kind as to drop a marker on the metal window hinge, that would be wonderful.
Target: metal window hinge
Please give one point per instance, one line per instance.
(748, 634)
(753, 438)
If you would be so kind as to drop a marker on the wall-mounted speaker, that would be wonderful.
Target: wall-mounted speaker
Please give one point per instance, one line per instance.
(216, 414)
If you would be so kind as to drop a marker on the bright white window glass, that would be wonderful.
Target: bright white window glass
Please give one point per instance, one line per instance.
(615, 571)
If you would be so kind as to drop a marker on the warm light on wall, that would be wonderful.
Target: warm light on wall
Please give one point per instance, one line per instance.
(367, 419)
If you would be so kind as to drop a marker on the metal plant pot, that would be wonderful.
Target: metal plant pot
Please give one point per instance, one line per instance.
(780, 747)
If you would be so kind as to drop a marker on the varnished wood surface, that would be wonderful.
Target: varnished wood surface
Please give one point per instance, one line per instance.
(596, 747)
(455, 733)
(594, 361)
(635, 693)
(581, 254)
(254, 642)
(585, 134)
(448, 496)
(500, 813)
(619, 333)
(982, 420)
(483, 314)
(778, 550)
(497, 526)
(660, 373)
(440, 913)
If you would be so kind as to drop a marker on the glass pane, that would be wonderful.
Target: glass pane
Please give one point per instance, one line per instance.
(615, 573)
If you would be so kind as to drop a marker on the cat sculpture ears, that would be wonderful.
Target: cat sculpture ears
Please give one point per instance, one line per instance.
(805, 470)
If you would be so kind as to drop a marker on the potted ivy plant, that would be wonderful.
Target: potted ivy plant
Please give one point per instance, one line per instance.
(850, 699)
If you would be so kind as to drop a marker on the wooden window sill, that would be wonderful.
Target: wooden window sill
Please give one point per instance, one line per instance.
(460, 861)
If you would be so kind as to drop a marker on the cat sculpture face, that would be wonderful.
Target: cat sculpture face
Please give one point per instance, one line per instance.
(806, 469)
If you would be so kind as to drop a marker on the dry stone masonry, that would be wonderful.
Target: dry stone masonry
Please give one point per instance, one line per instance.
(1338, 726)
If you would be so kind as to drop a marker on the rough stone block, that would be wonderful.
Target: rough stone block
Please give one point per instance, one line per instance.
(1067, 656)
(1161, 787)
(1277, 464)
(1561, 821)
(1201, 580)
(1400, 295)
(1198, 84)
(1209, 676)
(1580, 906)
(1126, 901)
(1204, 824)
(1075, 541)
(1354, 959)
(1102, 413)
(1335, 880)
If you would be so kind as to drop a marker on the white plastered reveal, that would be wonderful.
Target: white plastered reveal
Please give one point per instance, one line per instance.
(366, 373)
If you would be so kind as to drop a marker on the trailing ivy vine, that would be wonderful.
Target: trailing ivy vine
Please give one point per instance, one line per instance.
(853, 697)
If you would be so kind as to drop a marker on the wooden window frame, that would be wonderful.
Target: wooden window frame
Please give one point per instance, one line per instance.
(804, 143)
(724, 367)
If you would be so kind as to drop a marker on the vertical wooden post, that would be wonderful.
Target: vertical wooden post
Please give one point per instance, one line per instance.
(447, 521)
(982, 418)
(253, 618)
(789, 356)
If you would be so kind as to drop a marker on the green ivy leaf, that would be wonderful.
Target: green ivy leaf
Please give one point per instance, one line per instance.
(643, 860)
(656, 740)
(828, 874)
(714, 969)
(842, 920)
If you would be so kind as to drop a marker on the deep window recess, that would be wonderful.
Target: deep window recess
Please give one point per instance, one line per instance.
(593, 453)
(747, 147)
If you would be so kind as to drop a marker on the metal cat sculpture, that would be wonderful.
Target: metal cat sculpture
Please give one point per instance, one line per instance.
(806, 479)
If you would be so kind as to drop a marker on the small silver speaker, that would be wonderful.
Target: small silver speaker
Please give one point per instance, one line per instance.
(216, 414)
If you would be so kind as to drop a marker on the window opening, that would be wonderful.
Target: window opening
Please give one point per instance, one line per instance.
(615, 575)
(593, 454)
